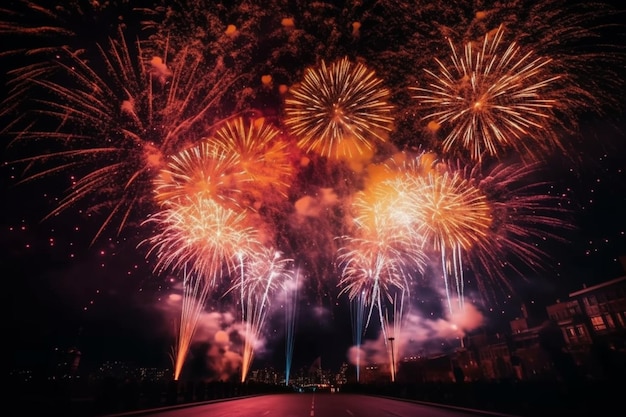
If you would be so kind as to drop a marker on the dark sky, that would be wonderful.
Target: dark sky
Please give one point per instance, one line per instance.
(63, 290)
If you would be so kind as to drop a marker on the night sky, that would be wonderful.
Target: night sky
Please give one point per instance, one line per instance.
(65, 289)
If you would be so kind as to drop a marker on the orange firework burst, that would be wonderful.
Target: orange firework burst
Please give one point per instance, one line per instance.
(452, 211)
(263, 157)
(486, 222)
(447, 211)
(493, 98)
(339, 110)
(243, 165)
(202, 236)
(379, 260)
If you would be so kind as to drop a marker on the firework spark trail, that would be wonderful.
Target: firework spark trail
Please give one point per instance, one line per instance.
(393, 325)
(493, 99)
(523, 214)
(357, 314)
(111, 120)
(263, 273)
(339, 110)
(195, 294)
(291, 313)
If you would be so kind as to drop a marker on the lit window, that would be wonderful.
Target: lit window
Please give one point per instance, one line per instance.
(598, 323)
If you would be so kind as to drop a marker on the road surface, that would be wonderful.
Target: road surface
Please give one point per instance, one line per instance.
(312, 405)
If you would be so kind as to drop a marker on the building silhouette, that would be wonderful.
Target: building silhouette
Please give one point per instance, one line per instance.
(582, 337)
(592, 324)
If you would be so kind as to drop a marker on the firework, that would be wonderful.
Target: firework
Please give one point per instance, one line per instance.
(452, 211)
(203, 171)
(264, 158)
(339, 110)
(195, 294)
(491, 99)
(357, 315)
(201, 235)
(451, 215)
(585, 42)
(264, 273)
(109, 118)
(478, 219)
(379, 261)
(290, 288)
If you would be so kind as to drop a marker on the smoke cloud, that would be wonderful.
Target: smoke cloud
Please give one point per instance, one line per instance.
(417, 333)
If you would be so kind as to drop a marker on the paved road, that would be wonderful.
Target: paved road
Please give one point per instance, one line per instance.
(313, 405)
